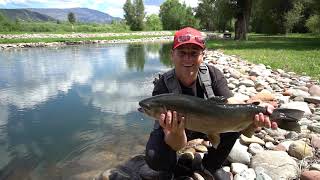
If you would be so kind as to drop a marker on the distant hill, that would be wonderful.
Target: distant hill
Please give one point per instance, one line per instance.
(24, 14)
(82, 14)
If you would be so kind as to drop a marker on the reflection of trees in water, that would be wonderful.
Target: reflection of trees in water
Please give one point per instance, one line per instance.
(135, 56)
(165, 55)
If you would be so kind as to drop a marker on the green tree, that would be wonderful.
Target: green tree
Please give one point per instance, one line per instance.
(175, 15)
(134, 14)
(293, 16)
(242, 15)
(71, 19)
(205, 13)
(129, 12)
(139, 15)
(153, 23)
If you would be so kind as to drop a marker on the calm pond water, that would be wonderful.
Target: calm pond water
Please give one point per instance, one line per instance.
(71, 112)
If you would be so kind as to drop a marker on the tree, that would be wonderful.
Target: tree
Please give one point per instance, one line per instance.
(293, 16)
(139, 15)
(71, 18)
(129, 12)
(153, 23)
(175, 15)
(243, 12)
(134, 14)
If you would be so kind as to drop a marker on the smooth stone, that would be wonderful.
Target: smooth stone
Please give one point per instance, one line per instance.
(261, 175)
(315, 127)
(264, 95)
(313, 99)
(268, 138)
(303, 106)
(279, 147)
(314, 90)
(315, 141)
(247, 174)
(246, 140)
(316, 118)
(254, 148)
(201, 148)
(310, 175)
(269, 145)
(291, 135)
(247, 83)
(298, 92)
(277, 164)
(237, 168)
(239, 154)
(234, 73)
(300, 149)
(315, 166)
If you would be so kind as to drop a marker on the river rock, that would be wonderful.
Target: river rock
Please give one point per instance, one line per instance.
(239, 154)
(314, 90)
(315, 141)
(300, 150)
(315, 127)
(313, 99)
(315, 166)
(264, 95)
(277, 164)
(254, 148)
(303, 106)
(237, 168)
(247, 83)
(310, 175)
(246, 140)
(261, 175)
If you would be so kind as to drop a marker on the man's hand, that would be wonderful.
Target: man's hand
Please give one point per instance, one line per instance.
(173, 128)
(261, 120)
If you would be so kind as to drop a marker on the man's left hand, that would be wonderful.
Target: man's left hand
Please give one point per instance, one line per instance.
(261, 120)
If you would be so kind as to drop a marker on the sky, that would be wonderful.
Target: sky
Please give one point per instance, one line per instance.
(112, 7)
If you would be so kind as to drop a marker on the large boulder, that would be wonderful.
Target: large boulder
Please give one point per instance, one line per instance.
(277, 164)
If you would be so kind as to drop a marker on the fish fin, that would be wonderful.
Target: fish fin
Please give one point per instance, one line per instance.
(218, 99)
(249, 131)
(214, 139)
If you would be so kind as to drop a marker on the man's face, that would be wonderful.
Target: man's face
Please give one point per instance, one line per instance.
(187, 59)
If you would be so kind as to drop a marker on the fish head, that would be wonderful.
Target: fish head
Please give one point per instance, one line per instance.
(151, 107)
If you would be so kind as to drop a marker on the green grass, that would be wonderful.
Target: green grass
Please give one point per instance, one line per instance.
(33, 40)
(299, 53)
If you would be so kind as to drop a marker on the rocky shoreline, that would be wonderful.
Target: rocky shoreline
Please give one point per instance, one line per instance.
(161, 36)
(269, 154)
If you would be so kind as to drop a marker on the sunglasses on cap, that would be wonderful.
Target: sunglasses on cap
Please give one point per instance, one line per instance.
(188, 37)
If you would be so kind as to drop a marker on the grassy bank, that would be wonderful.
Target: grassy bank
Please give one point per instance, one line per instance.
(47, 40)
(59, 27)
(294, 52)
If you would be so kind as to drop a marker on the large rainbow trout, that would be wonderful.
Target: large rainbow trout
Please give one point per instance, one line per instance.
(214, 116)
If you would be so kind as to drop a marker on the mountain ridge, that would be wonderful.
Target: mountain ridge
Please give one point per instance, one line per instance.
(83, 15)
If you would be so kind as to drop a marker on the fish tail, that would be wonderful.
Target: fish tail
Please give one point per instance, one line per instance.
(287, 118)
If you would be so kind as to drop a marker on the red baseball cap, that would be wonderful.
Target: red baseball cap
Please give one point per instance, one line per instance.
(188, 35)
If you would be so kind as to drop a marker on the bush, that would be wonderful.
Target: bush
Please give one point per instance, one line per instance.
(313, 24)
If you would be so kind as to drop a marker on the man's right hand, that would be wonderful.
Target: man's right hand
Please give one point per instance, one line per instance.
(173, 128)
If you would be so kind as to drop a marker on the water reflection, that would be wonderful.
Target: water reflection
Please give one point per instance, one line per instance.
(62, 107)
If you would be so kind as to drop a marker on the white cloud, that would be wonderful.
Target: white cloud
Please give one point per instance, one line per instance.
(151, 9)
(115, 12)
